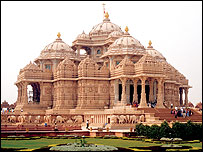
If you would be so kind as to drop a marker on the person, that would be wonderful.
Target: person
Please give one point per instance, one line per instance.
(171, 106)
(87, 124)
(176, 113)
(171, 111)
(55, 127)
(188, 113)
(184, 113)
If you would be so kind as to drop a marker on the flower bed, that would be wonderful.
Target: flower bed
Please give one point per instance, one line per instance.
(79, 147)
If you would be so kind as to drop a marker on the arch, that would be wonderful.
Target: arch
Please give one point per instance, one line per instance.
(119, 90)
(155, 92)
(33, 92)
(99, 51)
(139, 90)
(82, 52)
(147, 90)
(129, 91)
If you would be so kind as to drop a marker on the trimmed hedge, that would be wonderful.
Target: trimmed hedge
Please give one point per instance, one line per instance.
(185, 131)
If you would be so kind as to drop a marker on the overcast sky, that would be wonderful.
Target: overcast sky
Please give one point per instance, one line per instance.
(175, 29)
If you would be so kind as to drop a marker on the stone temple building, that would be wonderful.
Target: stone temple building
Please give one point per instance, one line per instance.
(116, 72)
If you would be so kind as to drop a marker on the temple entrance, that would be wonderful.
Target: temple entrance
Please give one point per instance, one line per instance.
(119, 91)
(139, 89)
(147, 92)
(131, 93)
(34, 92)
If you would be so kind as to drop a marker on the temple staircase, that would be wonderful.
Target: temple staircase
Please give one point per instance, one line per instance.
(165, 114)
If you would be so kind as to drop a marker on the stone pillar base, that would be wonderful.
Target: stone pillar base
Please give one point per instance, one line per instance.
(143, 105)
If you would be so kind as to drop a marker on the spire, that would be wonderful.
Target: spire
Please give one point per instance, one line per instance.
(150, 42)
(59, 35)
(104, 8)
(107, 15)
(126, 29)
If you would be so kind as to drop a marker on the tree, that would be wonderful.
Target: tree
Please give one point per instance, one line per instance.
(140, 129)
(179, 130)
(154, 132)
(165, 130)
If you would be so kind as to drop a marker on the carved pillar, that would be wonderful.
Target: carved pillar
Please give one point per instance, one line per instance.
(160, 97)
(143, 102)
(25, 97)
(18, 98)
(186, 96)
(111, 63)
(123, 98)
(181, 96)
(151, 90)
(78, 51)
(135, 98)
(116, 88)
(128, 92)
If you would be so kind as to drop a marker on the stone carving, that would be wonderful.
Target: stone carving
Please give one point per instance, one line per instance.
(77, 119)
(29, 119)
(113, 119)
(69, 121)
(47, 119)
(38, 119)
(11, 119)
(122, 119)
(133, 119)
(142, 118)
(60, 119)
(21, 119)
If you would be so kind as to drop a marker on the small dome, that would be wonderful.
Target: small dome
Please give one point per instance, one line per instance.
(125, 45)
(115, 34)
(31, 67)
(57, 45)
(150, 50)
(83, 36)
(147, 58)
(104, 28)
(58, 49)
(66, 69)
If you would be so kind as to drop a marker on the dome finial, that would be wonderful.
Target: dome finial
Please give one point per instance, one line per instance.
(126, 29)
(106, 15)
(150, 42)
(59, 35)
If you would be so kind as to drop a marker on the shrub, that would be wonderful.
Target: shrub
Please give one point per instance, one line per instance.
(154, 132)
(185, 131)
(165, 130)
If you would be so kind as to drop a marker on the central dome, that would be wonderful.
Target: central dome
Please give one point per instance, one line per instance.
(104, 28)
(125, 45)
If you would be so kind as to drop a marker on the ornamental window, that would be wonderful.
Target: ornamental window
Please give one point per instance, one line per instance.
(48, 66)
(98, 51)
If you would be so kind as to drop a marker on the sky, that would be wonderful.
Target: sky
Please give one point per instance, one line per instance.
(175, 29)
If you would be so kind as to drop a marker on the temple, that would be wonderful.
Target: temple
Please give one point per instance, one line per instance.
(115, 76)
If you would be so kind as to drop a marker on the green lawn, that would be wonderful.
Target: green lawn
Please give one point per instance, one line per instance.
(38, 143)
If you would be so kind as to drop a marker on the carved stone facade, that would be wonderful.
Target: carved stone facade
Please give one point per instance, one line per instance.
(116, 72)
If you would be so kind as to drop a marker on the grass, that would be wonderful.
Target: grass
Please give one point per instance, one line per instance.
(43, 142)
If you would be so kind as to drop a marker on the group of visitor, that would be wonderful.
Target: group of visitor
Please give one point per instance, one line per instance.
(6, 110)
(182, 112)
(135, 104)
(151, 104)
